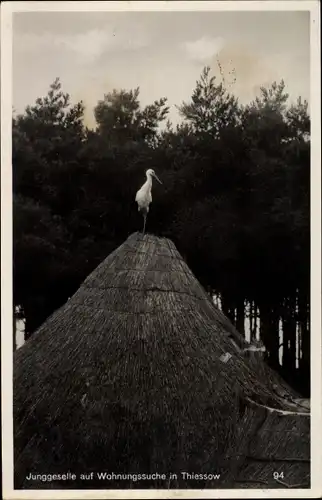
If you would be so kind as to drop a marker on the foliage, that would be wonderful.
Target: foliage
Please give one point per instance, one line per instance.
(235, 196)
(212, 109)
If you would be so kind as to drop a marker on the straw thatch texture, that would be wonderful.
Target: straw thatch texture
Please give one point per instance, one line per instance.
(139, 372)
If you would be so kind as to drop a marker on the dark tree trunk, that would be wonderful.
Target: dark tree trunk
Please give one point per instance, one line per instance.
(304, 362)
(250, 320)
(227, 308)
(240, 319)
(292, 322)
(269, 333)
(253, 310)
(289, 340)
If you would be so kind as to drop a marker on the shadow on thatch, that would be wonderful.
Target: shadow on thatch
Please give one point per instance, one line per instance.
(140, 373)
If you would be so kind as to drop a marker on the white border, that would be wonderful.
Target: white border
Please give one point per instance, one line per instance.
(7, 9)
(160, 5)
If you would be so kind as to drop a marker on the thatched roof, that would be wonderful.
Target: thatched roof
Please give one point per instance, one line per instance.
(139, 372)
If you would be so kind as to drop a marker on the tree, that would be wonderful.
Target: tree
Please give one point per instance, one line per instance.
(212, 109)
(47, 144)
(40, 260)
(121, 119)
(47, 141)
(278, 218)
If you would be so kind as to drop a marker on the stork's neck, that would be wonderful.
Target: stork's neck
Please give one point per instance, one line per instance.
(149, 179)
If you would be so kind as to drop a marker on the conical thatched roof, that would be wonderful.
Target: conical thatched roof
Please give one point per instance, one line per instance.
(140, 373)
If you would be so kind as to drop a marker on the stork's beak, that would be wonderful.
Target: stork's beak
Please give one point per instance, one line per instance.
(157, 178)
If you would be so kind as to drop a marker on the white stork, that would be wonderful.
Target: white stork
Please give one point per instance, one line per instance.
(144, 195)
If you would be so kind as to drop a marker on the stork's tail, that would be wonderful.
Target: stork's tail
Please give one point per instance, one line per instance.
(143, 210)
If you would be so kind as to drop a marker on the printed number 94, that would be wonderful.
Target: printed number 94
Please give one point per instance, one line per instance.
(278, 475)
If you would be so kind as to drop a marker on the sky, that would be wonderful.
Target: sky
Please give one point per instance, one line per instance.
(163, 53)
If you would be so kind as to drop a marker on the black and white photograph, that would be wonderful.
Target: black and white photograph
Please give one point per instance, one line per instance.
(161, 249)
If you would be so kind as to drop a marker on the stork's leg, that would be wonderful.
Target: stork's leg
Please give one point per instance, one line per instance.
(144, 218)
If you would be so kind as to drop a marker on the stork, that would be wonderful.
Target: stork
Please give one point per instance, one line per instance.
(144, 196)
